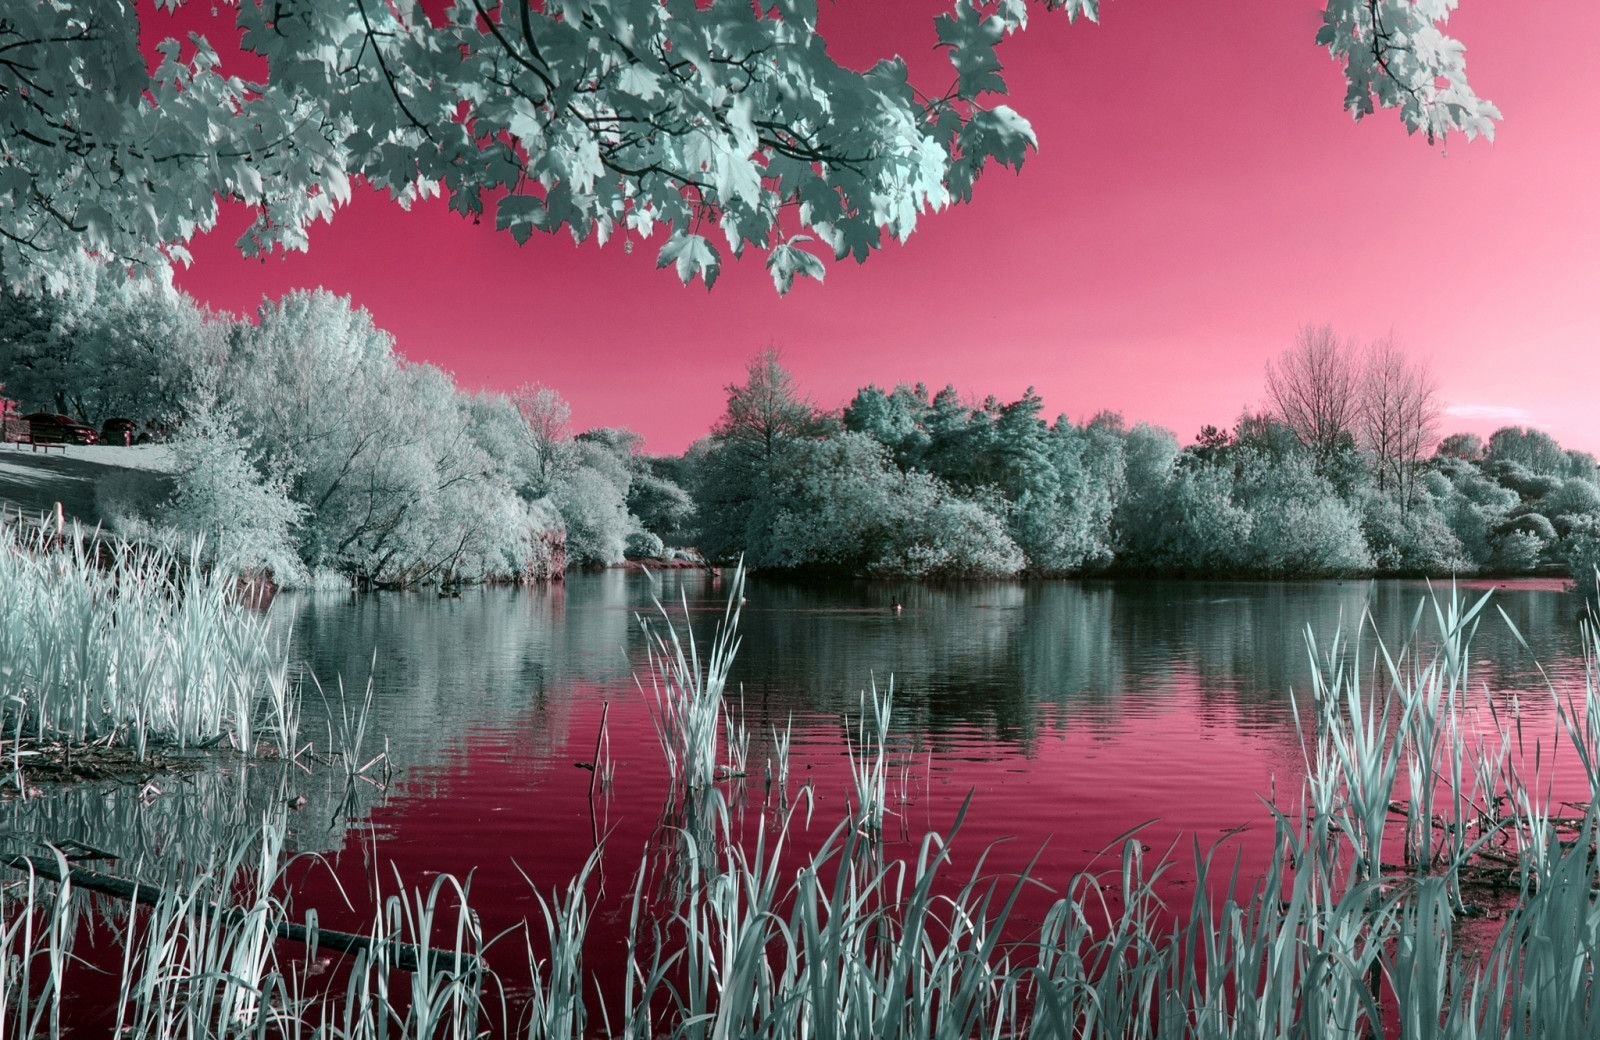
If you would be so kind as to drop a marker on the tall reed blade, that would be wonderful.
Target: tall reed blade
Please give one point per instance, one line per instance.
(686, 704)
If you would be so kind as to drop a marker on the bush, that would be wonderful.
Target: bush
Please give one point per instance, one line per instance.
(544, 542)
(1302, 528)
(1582, 557)
(1535, 524)
(220, 495)
(644, 545)
(834, 504)
(1529, 486)
(1197, 529)
(1575, 495)
(596, 518)
(660, 504)
(1517, 552)
(1418, 541)
(957, 538)
(1310, 539)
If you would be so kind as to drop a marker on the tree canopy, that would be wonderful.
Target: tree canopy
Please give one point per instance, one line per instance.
(650, 117)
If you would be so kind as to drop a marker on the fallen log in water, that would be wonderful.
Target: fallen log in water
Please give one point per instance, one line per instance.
(405, 956)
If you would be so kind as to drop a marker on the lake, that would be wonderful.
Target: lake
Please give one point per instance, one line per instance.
(1067, 712)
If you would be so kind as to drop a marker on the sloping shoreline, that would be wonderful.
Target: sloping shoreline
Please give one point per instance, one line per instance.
(32, 482)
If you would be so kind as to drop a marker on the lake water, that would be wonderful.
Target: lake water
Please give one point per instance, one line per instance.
(1067, 712)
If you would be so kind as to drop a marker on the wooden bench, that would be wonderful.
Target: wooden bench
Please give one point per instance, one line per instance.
(18, 432)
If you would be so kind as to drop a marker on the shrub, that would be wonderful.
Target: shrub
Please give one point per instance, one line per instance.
(1530, 486)
(1517, 552)
(1417, 541)
(1535, 524)
(243, 517)
(596, 518)
(660, 504)
(834, 504)
(644, 545)
(1582, 557)
(956, 538)
(1310, 539)
(1575, 495)
(1302, 528)
(1197, 528)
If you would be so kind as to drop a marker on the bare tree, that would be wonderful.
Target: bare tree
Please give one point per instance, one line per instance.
(1315, 390)
(1399, 416)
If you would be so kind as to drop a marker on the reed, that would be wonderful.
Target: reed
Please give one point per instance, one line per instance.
(198, 959)
(1356, 764)
(103, 640)
(35, 946)
(736, 739)
(347, 730)
(686, 704)
(869, 768)
(556, 1008)
(781, 743)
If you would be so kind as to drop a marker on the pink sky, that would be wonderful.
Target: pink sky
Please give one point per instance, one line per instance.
(1198, 195)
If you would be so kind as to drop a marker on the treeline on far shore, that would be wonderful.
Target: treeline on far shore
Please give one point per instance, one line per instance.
(304, 443)
(904, 483)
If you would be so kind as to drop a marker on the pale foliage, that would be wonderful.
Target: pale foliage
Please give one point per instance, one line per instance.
(1413, 539)
(244, 519)
(1532, 448)
(1302, 527)
(840, 504)
(1517, 552)
(403, 478)
(950, 537)
(105, 346)
(593, 501)
(1396, 56)
(602, 116)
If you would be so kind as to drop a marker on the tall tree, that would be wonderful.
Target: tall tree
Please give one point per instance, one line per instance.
(104, 347)
(600, 116)
(1533, 448)
(1467, 446)
(1315, 390)
(1399, 416)
(549, 420)
(767, 409)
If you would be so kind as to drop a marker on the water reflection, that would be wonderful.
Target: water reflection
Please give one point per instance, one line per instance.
(176, 823)
(489, 697)
(978, 668)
